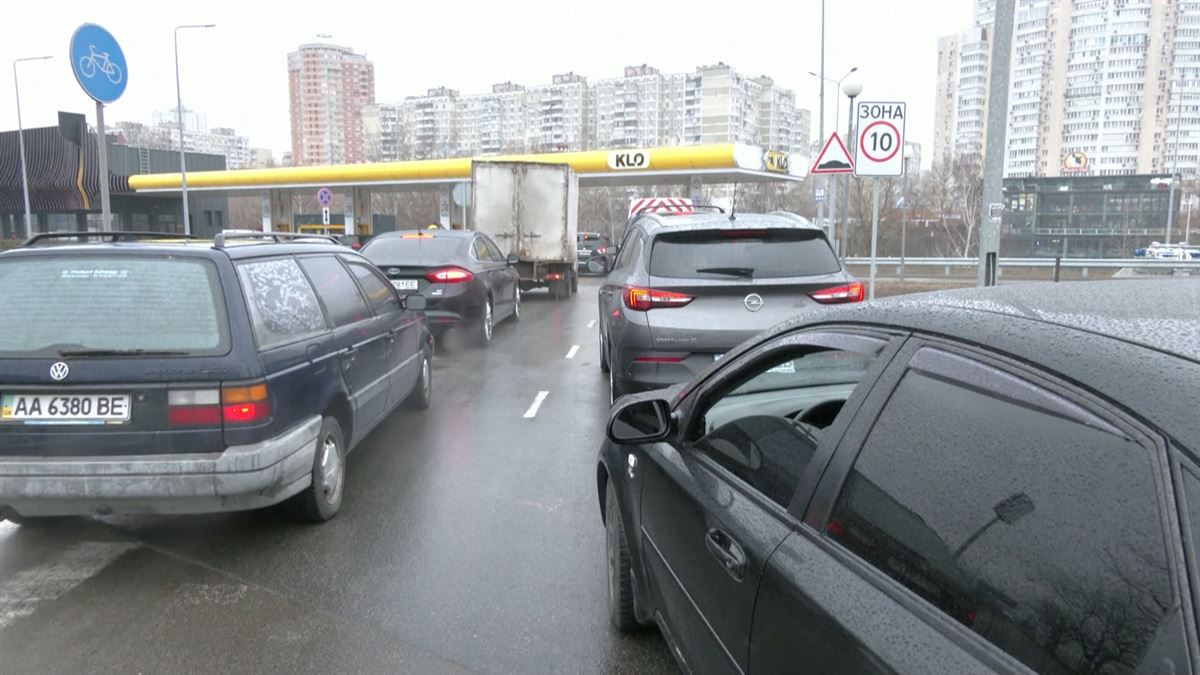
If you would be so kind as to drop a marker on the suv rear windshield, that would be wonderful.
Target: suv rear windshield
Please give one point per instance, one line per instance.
(121, 303)
(756, 254)
(423, 250)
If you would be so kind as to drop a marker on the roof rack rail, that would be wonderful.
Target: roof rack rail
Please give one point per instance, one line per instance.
(222, 238)
(792, 216)
(111, 237)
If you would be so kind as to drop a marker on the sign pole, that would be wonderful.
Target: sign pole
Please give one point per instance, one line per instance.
(874, 236)
(102, 145)
(994, 134)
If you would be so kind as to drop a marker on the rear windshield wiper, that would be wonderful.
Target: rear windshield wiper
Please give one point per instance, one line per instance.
(730, 271)
(120, 352)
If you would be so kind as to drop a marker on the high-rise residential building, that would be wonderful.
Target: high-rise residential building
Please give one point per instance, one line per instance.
(163, 134)
(631, 111)
(329, 87)
(728, 106)
(495, 123)
(562, 114)
(1096, 87)
(943, 106)
(640, 109)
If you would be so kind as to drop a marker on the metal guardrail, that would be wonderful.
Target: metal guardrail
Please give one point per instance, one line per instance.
(1065, 263)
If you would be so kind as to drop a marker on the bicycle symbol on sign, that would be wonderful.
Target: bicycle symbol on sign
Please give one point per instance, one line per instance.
(88, 65)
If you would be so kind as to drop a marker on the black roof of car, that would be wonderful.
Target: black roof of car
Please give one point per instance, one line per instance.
(654, 222)
(1136, 342)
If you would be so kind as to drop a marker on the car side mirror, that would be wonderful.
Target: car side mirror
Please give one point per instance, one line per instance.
(414, 302)
(513, 260)
(640, 421)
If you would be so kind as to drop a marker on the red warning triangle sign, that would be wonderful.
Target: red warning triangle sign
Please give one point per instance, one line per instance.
(833, 158)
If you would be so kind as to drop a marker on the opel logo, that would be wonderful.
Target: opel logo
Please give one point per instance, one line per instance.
(60, 371)
(753, 302)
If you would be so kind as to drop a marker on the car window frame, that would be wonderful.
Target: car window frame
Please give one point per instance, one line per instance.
(493, 248)
(850, 445)
(623, 258)
(475, 255)
(350, 262)
(1189, 540)
(714, 384)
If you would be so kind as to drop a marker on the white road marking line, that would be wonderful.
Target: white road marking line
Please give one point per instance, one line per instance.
(537, 403)
(573, 351)
(20, 595)
(592, 323)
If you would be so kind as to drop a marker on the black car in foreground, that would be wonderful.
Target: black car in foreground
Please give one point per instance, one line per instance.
(993, 480)
(466, 281)
(188, 376)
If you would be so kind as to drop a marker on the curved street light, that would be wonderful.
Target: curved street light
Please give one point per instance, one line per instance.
(21, 142)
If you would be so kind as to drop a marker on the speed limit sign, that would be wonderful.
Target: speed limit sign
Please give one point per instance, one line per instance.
(879, 150)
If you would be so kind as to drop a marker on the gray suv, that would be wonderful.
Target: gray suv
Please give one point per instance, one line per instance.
(685, 289)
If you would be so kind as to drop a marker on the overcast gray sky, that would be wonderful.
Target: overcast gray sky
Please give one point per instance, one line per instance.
(236, 73)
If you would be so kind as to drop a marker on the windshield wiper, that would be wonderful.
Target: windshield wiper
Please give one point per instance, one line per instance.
(747, 272)
(120, 352)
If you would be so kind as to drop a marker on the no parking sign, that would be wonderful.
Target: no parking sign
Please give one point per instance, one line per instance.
(880, 147)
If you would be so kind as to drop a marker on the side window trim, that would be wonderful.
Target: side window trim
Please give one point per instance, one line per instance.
(374, 271)
(321, 301)
(883, 346)
(1189, 534)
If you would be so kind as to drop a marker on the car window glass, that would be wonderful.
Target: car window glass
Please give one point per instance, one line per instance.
(379, 292)
(281, 301)
(140, 311)
(336, 289)
(1191, 494)
(481, 250)
(493, 250)
(759, 254)
(1036, 531)
(766, 428)
(631, 251)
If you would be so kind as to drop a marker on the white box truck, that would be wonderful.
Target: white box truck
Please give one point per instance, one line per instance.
(532, 211)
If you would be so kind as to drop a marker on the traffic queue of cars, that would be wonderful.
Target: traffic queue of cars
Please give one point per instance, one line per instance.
(993, 480)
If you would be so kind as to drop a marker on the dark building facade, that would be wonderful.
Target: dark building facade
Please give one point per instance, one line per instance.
(64, 184)
(1086, 216)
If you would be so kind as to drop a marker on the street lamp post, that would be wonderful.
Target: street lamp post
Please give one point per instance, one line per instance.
(187, 223)
(21, 144)
(852, 87)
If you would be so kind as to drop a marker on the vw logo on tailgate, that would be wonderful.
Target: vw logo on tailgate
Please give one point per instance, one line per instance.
(753, 302)
(59, 371)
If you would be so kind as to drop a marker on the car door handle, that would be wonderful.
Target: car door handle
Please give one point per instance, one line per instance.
(391, 336)
(727, 552)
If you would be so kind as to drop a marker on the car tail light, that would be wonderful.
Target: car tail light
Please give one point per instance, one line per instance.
(449, 275)
(245, 404)
(835, 528)
(601, 250)
(644, 299)
(851, 292)
(194, 408)
(554, 276)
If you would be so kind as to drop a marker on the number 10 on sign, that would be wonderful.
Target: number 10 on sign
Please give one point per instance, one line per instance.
(879, 150)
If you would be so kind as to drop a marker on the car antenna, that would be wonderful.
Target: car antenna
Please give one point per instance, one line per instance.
(733, 204)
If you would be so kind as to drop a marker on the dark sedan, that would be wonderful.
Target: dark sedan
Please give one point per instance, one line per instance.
(995, 480)
(595, 252)
(466, 281)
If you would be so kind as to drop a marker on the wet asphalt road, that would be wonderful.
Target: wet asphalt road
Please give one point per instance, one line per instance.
(469, 541)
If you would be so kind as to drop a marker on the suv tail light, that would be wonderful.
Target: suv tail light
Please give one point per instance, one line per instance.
(245, 404)
(851, 292)
(194, 408)
(644, 299)
(449, 275)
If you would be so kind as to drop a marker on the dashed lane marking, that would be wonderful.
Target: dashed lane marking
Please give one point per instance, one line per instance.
(537, 403)
(572, 351)
(592, 323)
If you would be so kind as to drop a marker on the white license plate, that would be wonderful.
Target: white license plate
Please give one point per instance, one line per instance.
(405, 284)
(64, 409)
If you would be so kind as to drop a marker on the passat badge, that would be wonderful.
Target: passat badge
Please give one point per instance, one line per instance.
(753, 302)
(59, 371)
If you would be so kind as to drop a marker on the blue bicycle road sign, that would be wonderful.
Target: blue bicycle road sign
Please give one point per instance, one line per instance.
(98, 63)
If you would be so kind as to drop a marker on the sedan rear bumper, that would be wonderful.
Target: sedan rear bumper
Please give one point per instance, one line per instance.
(239, 478)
